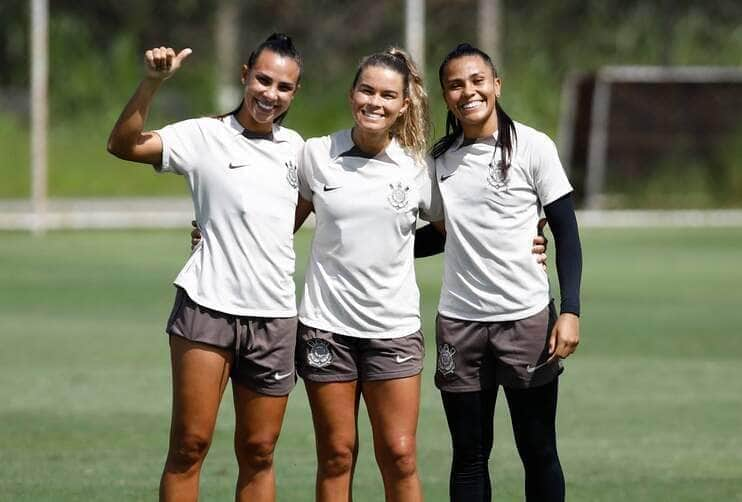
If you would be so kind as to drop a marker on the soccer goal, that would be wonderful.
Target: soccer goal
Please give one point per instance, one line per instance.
(651, 130)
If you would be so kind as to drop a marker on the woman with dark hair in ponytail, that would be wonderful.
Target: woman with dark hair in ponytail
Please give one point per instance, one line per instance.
(496, 325)
(235, 309)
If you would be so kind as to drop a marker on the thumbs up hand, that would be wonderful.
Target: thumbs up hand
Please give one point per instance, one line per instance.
(162, 62)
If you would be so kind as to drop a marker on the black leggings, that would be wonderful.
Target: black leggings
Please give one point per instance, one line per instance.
(470, 418)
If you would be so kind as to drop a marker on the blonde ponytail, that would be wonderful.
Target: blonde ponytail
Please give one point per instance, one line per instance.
(413, 128)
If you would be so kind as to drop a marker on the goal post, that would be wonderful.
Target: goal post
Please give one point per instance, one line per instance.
(622, 121)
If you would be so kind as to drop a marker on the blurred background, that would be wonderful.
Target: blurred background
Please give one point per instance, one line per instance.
(675, 137)
(643, 99)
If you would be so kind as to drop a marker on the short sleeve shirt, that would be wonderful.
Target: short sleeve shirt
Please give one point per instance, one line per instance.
(360, 280)
(244, 194)
(491, 218)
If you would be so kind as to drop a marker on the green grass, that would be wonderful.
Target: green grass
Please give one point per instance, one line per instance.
(649, 409)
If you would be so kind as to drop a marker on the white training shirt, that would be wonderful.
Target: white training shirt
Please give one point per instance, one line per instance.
(244, 196)
(360, 280)
(490, 273)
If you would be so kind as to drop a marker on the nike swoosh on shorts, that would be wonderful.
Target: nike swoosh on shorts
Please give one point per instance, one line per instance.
(278, 376)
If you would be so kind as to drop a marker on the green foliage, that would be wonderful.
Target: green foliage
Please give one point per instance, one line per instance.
(649, 405)
(96, 53)
(15, 158)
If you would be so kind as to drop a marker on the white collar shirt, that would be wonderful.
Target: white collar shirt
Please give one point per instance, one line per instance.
(360, 280)
(244, 196)
(491, 218)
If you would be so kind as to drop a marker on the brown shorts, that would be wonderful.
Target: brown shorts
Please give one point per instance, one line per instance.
(476, 355)
(262, 348)
(322, 356)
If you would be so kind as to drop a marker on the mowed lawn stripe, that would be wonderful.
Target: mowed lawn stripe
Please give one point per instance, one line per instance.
(649, 406)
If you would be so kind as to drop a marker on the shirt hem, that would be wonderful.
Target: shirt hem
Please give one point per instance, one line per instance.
(237, 311)
(399, 333)
(487, 317)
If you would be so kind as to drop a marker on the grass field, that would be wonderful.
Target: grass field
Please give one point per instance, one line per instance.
(650, 406)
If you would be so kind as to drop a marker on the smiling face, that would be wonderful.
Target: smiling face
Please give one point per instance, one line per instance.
(470, 90)
(270, 86)
(377, 99)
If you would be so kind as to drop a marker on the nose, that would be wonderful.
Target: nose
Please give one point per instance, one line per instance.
(270, 92)
(374, 100)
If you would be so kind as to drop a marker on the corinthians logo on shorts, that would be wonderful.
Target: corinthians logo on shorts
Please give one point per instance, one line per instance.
(398, 195)
(318, 353)
(291, 175)
(446, 364)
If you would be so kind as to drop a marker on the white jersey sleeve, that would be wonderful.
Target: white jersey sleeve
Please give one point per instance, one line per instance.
(431, 206)
(549, 178)
(305, 172)
(182, 143)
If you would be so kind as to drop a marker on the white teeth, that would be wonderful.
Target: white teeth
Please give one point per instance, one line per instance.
(470, 105)
(372, 115)
(264, 106)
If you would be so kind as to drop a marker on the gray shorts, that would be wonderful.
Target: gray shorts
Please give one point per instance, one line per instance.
(476, 355)
(262, 348)
(322, 356)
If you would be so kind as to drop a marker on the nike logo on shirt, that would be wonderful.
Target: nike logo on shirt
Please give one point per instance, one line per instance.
(444, 178)
(401, 360)
(330, 189)
(235, 165)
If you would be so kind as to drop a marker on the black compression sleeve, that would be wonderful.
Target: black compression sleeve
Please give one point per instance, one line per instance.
(561, 217)
(428, 241)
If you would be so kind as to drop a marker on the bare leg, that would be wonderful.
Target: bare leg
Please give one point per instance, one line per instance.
(393, 408)
(258, 424)
(200, 373)
(335, 415)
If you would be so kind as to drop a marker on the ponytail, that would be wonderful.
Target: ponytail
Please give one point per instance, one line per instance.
(413, 127)
(506, 134)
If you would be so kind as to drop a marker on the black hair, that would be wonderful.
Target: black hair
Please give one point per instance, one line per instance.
(506, 134)
(281, 44)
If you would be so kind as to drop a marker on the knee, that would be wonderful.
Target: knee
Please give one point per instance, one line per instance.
(255, 454)
(399, 458)
(539, 457)
(187, 451)
(336, 459)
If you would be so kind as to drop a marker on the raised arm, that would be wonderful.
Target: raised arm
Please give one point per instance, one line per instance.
(128, 140)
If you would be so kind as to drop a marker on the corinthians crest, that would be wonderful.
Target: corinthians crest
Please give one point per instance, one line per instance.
(446, 364)
(318, 353)
(398, 195)
(497, 176)
(291, 175)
